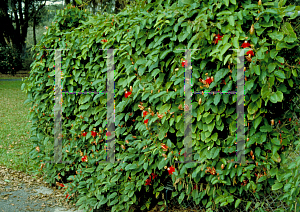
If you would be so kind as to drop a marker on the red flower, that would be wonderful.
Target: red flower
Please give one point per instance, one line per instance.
(164, 147)
(208, 80)
(183, 63)
(245, 44)
(171, 170)
(84, 133)
(84, 159)
(279, 122)
(145, 113)
(153, 175)
(218, 37)
(148, 181)
(250, 52)
(289, 119)
(127, 94)
(108, 134)
(67, 196)
(104, 40)
(146, 121)
(299, 62)
(94, 134)
(62, 185)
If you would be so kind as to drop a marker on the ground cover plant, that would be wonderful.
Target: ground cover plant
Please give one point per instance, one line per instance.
(150, 103)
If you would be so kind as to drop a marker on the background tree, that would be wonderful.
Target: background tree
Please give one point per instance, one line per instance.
(15, 17)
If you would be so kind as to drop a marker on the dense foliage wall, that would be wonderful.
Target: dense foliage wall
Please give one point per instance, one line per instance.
(150, 101)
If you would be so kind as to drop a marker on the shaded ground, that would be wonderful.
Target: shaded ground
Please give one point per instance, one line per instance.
(22, 192)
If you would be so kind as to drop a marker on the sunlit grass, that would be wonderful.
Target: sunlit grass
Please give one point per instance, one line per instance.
(14, 127)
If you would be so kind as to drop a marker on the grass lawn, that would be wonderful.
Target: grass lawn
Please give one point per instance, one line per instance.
(14, 127)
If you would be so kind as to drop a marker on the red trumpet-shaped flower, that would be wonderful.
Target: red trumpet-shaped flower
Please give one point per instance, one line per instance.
(250, 52)
(153, 175)
(145, 113)
(146, 121)
(183, 63)
(127, 94)
(84, 159)
(104, 40)
(84, 133)
(245, 44)
(94, 134)
(208, 80)
(148, 181)
(164, 147)
(171, 170)
(217, 38)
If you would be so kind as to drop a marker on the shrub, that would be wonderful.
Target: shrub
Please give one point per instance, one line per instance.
(149, 73)
(10, 60)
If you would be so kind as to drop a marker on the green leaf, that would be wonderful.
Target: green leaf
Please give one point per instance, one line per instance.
(252, 108)
(248, 205)
(178, 118)
(155, 72)
(85, 106)
(288, 30)
(266, 128)
(277, 186)
(280, 74)
(226, 59)
(262, 179)
(233, 2)
(271, 67)
(249, 84)
(217, 99)
(237, 202)
(226, 2)
(224, 49)
(137, 30)
(273, 98)
(256, 70)
(279, 95)
(79, 2)
(275, 35)
(231, 20)
(294, 72)
(209, 118)
(214, 137)
(273, 172)
(273, 53)
(215, 152)
(164, 108)
(290, 81)
(257, 122)
(280, 59)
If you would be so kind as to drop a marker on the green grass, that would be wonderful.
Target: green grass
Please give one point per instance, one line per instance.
(14, 127)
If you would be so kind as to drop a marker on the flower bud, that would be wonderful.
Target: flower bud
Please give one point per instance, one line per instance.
(259, 2)
(272, 122)
(212, 79)
(252, 30)
(130, 88)
(200, 100)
